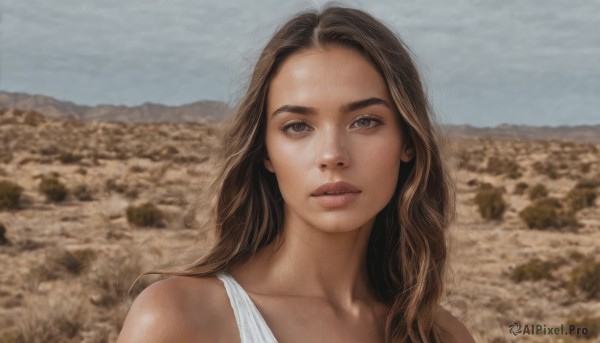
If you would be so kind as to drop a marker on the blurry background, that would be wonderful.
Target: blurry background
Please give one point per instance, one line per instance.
(109, 112)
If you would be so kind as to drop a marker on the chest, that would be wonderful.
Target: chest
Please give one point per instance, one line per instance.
(298, 320)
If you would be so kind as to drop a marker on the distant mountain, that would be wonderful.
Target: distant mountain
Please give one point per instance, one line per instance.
(198, 112)
(215, 111)
(583, 133)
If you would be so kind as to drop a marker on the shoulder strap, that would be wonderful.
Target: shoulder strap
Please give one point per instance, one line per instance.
(251, 324)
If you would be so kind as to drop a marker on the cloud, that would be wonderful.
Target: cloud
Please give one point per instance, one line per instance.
(484, 63)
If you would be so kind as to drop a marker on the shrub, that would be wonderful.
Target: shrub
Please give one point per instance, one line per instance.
(145, 215)
(546, 213)
(520, 188)
(49, 150)
(583, 194)
(472, 183)
(586, 277)
(112, 276)
(82, 193)
(33, 118)
(490, 202)
(73, 261)
(53, 189)
(464, 161)
(114, 185)
(137, 169)
(69, 158)
(5, 156)
(3, 239)
(588, 183)
(576, 255)
(498, 166)
(580, 198)
(537, 191)
(56, 318)
(546, 168)
(585, 168)
(534, 269)
(60, 263)
(10, 194)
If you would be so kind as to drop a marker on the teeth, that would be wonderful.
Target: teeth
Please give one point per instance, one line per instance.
(335, 192)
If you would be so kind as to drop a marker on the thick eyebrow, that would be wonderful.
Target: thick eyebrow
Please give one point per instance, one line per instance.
(347, 108)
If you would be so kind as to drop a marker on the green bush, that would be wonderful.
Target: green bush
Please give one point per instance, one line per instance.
(10, 194)
(145, 215)
(537, 191)
(490, 202)
(546, 213)
(534, 269)
(586, 277)
(520, 188)
(53, 189)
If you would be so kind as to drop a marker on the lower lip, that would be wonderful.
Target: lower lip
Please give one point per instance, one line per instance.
(336, 200)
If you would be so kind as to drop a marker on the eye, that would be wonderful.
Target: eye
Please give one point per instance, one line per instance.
(367, 122)
(294, 128)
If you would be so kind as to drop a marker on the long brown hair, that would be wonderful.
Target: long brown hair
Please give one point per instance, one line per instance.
(407, 252)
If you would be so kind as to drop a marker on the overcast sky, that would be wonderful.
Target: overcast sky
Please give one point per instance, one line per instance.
(484, 62)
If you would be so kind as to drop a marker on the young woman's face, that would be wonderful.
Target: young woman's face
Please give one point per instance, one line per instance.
(330, 119)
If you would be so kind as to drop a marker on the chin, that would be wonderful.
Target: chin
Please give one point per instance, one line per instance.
(339, 225)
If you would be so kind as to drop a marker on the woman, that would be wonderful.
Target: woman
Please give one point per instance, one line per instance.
(331, 205)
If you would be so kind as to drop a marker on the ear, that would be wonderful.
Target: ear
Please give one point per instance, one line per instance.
(268, 164)
(408, 153)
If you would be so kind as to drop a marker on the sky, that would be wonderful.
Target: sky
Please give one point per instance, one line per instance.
(484, 63)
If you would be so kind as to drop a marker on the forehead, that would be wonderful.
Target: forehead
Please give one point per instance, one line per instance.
(322, 76)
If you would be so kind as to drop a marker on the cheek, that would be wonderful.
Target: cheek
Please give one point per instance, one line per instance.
(382, 164)
(289, 161)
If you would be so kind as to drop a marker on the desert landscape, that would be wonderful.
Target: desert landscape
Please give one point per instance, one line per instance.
(87, 206)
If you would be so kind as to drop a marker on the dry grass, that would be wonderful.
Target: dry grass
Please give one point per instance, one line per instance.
(114, 166)
(50, 319)
(10, 194)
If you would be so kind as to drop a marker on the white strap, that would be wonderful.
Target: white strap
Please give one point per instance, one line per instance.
(251, 324)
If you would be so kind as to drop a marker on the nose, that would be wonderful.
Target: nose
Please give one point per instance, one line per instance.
(333, 152)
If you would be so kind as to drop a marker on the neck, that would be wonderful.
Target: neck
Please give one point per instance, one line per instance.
(305, 261)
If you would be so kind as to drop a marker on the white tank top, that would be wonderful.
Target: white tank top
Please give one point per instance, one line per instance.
(251, 324)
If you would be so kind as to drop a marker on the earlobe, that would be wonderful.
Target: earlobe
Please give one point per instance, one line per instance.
(268, 164)
(408, 153)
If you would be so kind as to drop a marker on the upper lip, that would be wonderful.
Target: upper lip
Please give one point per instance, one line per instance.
(335, 186)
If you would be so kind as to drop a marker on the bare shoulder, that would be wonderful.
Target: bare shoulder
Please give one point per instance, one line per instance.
(452, 325)
(177, 309)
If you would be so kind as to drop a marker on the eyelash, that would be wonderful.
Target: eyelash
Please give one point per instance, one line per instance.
(372, 118)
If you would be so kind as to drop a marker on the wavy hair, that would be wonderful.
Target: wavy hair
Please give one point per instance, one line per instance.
(407, 252)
